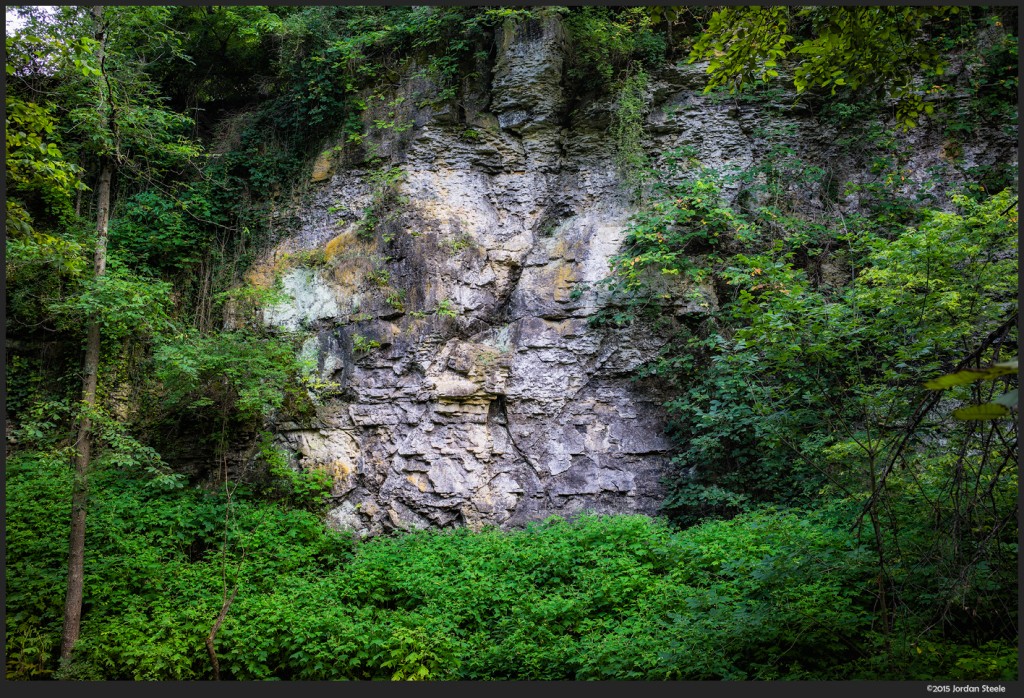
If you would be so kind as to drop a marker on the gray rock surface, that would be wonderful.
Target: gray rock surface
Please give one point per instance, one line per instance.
(491, 398)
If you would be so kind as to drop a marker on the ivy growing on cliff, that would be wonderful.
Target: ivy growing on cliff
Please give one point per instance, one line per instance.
(628, 130)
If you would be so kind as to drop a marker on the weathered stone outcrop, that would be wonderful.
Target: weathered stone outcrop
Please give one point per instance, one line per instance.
(492, 398)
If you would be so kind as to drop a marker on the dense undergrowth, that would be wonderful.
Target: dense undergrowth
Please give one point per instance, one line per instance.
(772, 594)
(827, 516)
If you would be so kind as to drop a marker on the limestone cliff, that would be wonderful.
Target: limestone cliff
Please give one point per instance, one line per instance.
(472, 388)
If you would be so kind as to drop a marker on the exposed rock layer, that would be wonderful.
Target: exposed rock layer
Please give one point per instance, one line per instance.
(491, 398)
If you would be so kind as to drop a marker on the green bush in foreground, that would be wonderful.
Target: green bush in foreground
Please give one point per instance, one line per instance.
(773, 594)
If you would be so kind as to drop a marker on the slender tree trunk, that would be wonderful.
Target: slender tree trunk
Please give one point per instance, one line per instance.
(211, 650)
(80, 491)
(83, 446)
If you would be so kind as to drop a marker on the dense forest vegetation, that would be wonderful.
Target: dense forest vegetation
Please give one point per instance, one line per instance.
(843, 501)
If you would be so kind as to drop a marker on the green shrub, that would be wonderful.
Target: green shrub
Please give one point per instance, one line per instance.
(309, 489)
(772, 594)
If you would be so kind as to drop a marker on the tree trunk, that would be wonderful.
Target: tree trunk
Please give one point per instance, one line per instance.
(83, 446)
(80, 491)
(211, 650)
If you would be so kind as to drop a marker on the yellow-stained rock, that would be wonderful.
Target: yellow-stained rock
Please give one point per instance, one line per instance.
(338, 243)
(564, 281)
(261, 274)
(323, 168)
(417, 480)
(339, 469)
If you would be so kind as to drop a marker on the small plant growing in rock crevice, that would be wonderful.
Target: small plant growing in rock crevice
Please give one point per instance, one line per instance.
(379, 277)
(445, 309)
(385, 206)
(362, 345)
(459, 243)
(396, 299)
(578, 290)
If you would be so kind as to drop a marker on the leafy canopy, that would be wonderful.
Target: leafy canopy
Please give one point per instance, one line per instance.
(883, 49)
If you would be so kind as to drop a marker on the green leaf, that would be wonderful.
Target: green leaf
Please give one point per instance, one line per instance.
(980, 412)
(972, 374)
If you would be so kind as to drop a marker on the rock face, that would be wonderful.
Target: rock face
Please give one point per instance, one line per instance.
(472, 386)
